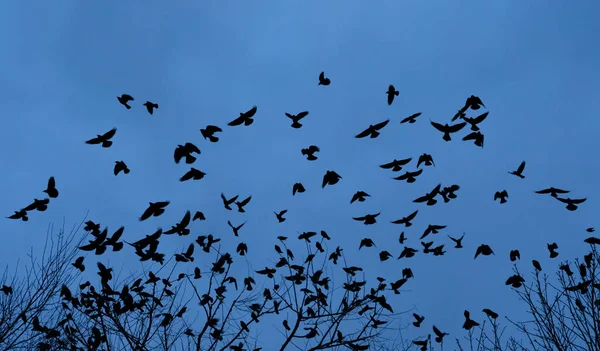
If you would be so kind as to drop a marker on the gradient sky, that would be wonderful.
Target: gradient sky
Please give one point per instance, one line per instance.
(533, 64)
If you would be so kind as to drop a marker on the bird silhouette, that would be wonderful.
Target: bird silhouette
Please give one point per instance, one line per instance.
(552, 191)
(244, 118)
(396, 165)
(227, 202)
(279, 215)
(406, 220)
(309, 152)
(296, 118)
(241, 204)
(21, 214)
(121, 166)
(484, 249)
(426, 159)
(475, 121)
(410, 177)
(429, 198)
(536, 265)
(373, 130)
(391, 93)
(490, 313)
(519, 171)
(298, 188)
(79, 264)
(150, 106)
(515, 255)
(323, 80)
(571, 203)
(51, 190)
(181, 227)
(330, 178)
(186, 151)
(477, 138)
(209, 133)
(411, 119)
(432, 229)
(103, 139)
(39, 205)
(366, 242)
(458, 242)
(439, 335)
(502, 195)
(234, 228)
(154, 209)
(448, 129)
(469, 323)
(367, 219)
(193, 173)
(360, 196)
(199, 215)
(552, 249)
(473, 102)
(124, 99)
(418, 320)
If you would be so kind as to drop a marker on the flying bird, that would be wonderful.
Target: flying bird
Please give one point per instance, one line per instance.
(150, 106)
(296, 118)
(241, 204)
(411, 119)
(410, 177)
(124, 99)
(209, 131)
(186, 151)
(448, 129)
(193, 173)
(475, 121)
(477, 138)
(367, 219)
(406, 220)
(245, 118)
(502, 195)
(519, 171)
(571, 203)
(360, 196)
(373, 130)
(484, 249)
(426, 159)
(51, 188)
(552, 191)
(227, 202)
(154, 209)
(391, 93)
(120, 166)
(396, 165)
(310, 151)
(103, 139)
(429, 197)
(298, 188)
(323, 80)
(473, 102)
(279, 215)
(458, 241)
(330, 178)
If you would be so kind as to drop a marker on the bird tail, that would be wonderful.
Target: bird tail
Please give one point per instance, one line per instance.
(107, 143)
(126, 171)
(397, 93)
(447, 136)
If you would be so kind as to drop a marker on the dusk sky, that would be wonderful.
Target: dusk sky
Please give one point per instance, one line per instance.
(534, 64)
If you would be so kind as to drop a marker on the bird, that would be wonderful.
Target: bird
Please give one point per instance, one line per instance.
(298, 188)
(234, 228)
(154, 209)
(502, 195)
(103, 139)
(448, 129)
(193, 173)
(227, 202)
(373, 130)
(330, 178)
(411, 119)
(571, 203)
(241, 204)
(469, 323)
(150, 106)
(51, 188)
(21, 214)
(514, 255)
(244, 118)
(391, 93)
(40, 205)
(458, 241)
(120, 166)
(490, 313)
(439, 335)
(519, 171)
(477, 138)
(209, 131)
(418, 320)
(396, 165)
(552, 191)
(323, 80)
(429, 198)
(406, 220)
(484, 249)
(79, 264)
(296, 118)
(475, 121)
(410, 177)
(279, 215)
(124, 99)
(360, 196)
(536, 265)
(199, 215)
(310, 151)
(186, 151)
(426, 159)
(366, 242)
(552, 249)
(473, 102)
(367, 219)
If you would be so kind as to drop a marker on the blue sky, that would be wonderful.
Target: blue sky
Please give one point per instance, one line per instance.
(533, 64)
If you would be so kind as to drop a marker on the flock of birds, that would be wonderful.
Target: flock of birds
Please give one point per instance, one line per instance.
(147, 247)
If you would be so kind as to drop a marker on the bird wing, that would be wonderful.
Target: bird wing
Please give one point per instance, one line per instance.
(51, 183)
(388, 165)
(456, 127)
(380, 125)
(480, 118)
(109, 134)
(185, 221)
(578, 201)
(187, 176)
(406, 119)
(359, 218)
(412, 215)
(251, 112)
(470, 136)
(147, 213)
(237, 121)
(191, 148)
(322, 76)
(521, 167)
(94, 141)
(437, 126)
(364, 133)
(302, 115)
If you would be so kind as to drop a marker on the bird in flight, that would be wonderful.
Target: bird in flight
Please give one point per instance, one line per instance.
(330, 178)
(209, 131)
(502, 195)
(124, 99)
(396, 165)
(296, 118)
(552, 191)
(150, 106)
(571, 203)
(186, 151)
(411, 119)
(121, 166)
(245, 118)
(391, 93)
(51, 188)
(103, 139)
(448, 129)
(519, 171)
(475, 121)
(373, 130)
(309, 152)
(323, 80)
